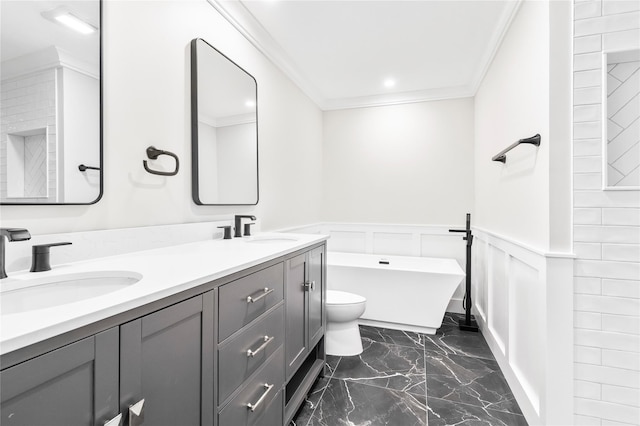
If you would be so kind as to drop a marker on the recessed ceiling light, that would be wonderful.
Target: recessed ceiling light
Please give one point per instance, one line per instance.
(389, 82)
(250, 103)
(66, 18)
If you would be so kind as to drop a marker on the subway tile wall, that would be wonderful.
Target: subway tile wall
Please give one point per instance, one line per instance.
(606, 233)
(28, 103)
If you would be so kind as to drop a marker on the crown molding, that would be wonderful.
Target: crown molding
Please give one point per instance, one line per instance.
(490, 52)
(243, 21)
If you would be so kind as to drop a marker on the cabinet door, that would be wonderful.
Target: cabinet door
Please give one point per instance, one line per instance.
(166, 358)
(316, 295)
(74, 385)
(296, 319)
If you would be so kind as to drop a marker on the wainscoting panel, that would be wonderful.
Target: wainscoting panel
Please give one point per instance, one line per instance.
(498, 290)
(523, 303)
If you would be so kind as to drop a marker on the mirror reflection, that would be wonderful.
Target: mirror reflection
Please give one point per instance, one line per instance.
(51, 102)
(224, 129)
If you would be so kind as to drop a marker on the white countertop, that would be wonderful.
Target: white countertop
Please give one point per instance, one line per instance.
(164, 271)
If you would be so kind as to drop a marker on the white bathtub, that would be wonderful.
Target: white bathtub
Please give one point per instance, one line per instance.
(408, 293)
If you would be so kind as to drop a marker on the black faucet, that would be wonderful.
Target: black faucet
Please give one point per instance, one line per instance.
(238, 223)
(40, 259)
(12, 234)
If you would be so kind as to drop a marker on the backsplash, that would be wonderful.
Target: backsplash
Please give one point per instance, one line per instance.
(111, 242)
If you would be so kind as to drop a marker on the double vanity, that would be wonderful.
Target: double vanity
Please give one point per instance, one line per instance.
(224, 332)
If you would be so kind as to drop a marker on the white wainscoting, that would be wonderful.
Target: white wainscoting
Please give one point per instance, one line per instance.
(398, 240)
(523, 301)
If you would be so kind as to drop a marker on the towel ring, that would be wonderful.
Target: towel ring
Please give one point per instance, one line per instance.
(153, 153)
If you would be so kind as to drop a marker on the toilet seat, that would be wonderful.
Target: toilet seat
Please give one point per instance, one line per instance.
(336, 297)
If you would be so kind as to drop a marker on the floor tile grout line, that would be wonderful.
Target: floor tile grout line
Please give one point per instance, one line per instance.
(478, 406)
(356, 381)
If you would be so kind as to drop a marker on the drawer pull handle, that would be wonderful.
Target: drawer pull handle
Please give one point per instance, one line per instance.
(265, 292)
(266, 341)
(253, 407)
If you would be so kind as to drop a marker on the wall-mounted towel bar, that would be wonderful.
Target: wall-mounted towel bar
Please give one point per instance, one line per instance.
(153, 153)
(83, 168)
(533, 140)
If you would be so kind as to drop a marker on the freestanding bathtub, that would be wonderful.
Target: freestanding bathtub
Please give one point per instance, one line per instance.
(407, 293)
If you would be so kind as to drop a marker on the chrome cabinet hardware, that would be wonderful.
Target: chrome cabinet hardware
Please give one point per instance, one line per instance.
(116, 421)
(265, 292)
(136, 413)
(253, 407)
(266, 341)
(309, 286)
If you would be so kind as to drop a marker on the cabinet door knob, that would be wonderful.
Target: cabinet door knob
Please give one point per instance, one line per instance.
(309, 286)
(254, 407)
(266, 341)
(116, 421)
(136, 413)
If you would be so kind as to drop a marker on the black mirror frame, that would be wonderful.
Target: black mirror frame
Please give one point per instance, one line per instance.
(101, 145)
(195, 184)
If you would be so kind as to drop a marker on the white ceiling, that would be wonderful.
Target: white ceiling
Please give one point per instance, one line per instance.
(339, 52)
(24, 30)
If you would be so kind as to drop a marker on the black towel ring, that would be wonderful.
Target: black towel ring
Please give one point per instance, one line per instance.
(153, 153)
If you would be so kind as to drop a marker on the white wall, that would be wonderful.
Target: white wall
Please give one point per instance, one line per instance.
(236, 162)
(147, 102)
(522, 259)
(79, 116)
(404, 164)
(513, 103)
(606, 234)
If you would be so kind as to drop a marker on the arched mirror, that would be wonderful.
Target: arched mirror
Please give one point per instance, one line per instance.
(51, 135)
(224, 129)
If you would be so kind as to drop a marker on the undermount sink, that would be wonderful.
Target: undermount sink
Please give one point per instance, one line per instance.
(57, 290)
(267, 239)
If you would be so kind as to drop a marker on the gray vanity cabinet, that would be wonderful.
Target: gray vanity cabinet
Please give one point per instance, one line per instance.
(296, 321)
(166, 359)
(316, 296)
(76, 384)
(304, 305)
(244, 350)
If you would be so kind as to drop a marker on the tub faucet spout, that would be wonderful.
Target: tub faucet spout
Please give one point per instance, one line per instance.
(12, 234)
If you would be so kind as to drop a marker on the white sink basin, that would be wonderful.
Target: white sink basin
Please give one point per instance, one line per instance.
(56, 290)
(268, 239)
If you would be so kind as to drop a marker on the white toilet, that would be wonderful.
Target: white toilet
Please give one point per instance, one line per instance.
(343, 335)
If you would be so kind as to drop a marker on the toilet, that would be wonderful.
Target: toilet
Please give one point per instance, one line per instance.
(342, 337)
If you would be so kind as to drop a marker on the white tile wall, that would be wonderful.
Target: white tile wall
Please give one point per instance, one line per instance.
(27, 103)
(606, 234)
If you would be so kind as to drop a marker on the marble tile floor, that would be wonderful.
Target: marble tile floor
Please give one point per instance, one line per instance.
(405, 379)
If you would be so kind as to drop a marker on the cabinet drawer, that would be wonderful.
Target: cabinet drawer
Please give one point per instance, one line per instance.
(236, 364)
(237, 412)
(244, 300)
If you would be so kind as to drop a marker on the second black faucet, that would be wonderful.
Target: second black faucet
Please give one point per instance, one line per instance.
(237, 219)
